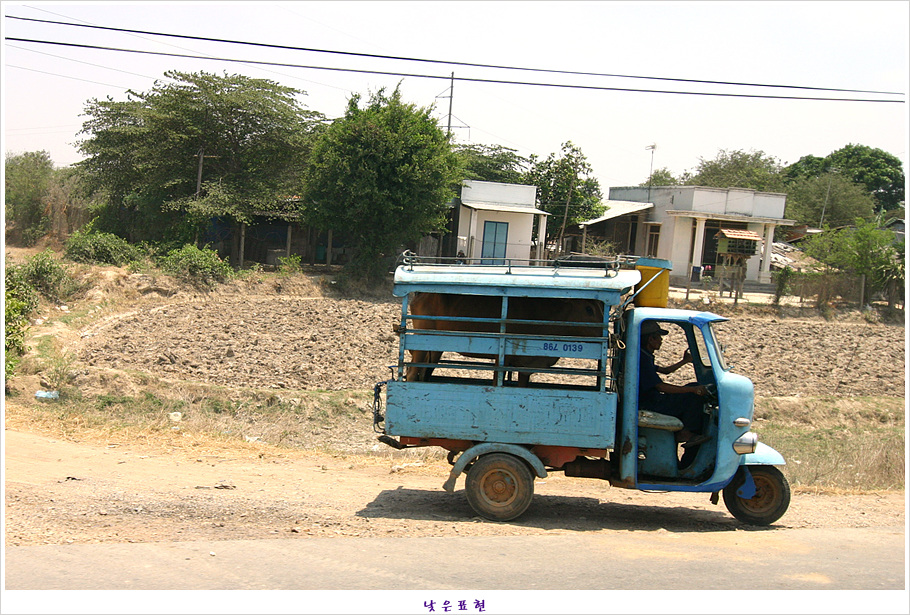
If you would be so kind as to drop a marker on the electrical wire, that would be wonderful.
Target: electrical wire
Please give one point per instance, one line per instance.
(448, 77)
(447, 62)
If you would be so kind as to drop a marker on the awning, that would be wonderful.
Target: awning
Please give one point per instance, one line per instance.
(733, 233)
(618, 208)
(513, 209)
(688, 213)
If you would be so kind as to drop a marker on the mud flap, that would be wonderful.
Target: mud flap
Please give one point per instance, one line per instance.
(747, 489)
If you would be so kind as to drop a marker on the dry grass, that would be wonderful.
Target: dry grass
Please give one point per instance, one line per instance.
(839, 443)
(851, 445)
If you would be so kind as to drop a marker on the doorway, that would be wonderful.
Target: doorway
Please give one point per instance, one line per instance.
(495, 240)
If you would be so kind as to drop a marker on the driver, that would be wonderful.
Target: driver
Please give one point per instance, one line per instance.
(682, 402)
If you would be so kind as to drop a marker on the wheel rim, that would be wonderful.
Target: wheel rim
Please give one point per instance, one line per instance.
(499, 488)
(766, 495)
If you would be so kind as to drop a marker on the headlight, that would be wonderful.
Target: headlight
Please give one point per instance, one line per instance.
(746, 443)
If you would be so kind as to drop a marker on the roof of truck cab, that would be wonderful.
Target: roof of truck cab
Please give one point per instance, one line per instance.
(511, 280)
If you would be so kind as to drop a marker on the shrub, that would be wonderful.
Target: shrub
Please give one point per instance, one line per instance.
(782, 284)
(101, 248)
(49, 277)
(290, 264)
(21, 301)
(19, 288)
(195, 265)
(16, 326)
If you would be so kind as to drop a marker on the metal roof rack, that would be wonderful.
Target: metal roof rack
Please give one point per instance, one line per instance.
(609, 265)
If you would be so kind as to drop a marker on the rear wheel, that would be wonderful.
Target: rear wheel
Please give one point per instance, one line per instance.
(771, 499)
(499, 486)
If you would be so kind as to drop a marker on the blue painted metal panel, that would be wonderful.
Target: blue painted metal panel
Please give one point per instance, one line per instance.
(552, 417)
(517, 282)
(764, 455)
(479, 343)
(656, 263)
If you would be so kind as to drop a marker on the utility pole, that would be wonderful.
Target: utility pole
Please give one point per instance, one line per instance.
(827, 193)
(199, 172)
(451, 96)
(651, 147)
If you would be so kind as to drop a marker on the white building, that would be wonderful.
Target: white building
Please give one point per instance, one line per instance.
(496, 221)
(680, 224)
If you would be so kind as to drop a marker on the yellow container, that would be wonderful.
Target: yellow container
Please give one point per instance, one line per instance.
(657, 293)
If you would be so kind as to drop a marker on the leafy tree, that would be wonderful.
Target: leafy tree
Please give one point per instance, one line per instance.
(661, 177)
(879, 173)
(68, 205)
(807, 166)
(197, 146)
(566, 187)
(383, 173)
(492, 163)
(827, 200)
(754, 170)
(27, 182)
(863, 249)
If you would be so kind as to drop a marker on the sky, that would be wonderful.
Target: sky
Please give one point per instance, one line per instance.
(836, 45)
(841, 45)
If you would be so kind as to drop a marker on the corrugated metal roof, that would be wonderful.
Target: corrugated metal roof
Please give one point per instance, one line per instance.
(733, 233)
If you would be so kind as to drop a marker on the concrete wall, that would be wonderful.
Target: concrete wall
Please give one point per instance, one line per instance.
(471, 224)
(494, 192)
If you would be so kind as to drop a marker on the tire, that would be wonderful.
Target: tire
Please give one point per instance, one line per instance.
(499, 486)
(771, 500)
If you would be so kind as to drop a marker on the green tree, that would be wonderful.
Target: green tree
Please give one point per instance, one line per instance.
(492, 163)
(879, 173)
(198, 146)
(28, 179)
(753, 170)
(827, 200)
(807, 166)
(383, 173)
(566, 188)
(661, 177)
(863, 249)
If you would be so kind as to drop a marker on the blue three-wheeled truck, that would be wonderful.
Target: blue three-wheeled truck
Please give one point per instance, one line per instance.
(542, 375)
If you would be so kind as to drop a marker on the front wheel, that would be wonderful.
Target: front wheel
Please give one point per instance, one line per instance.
(771, 499)
(499, 486)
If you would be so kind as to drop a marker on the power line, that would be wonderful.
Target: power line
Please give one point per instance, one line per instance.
(449, 62)
(448, 77)
(51, 55)
(88, 24)
(44, 72)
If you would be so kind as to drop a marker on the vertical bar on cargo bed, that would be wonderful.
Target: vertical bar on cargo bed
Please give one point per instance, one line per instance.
(604, 349)
(501, 360)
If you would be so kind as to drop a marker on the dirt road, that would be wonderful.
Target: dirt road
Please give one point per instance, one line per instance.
(69, 493)
(83, 516)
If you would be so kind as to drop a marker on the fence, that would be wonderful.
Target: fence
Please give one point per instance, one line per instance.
(829, 287)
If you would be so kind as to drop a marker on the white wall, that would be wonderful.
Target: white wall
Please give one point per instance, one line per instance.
(494, 192)
(520, 228)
